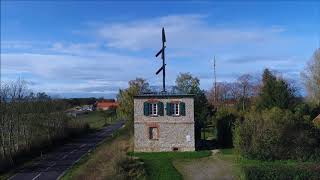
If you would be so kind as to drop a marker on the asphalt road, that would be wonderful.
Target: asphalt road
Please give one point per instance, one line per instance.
(54, 164)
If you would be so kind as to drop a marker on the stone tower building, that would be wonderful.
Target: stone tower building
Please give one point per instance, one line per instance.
(164, 122)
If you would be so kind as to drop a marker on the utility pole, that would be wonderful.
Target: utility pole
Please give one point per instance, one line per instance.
(163, 68)
(215, 80)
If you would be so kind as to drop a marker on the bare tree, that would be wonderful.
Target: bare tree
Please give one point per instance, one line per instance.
(311, 77)
(225, 92)
(27, 120)
(245, 82)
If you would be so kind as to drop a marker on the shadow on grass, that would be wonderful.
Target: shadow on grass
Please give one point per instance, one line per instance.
(206, 145)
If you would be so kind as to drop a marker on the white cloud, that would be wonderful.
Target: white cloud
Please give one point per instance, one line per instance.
(67, 73)
(75, 48)
(183, 31)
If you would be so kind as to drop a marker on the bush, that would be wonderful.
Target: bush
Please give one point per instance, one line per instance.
(281, 171)
(276, 134)
(131, 168)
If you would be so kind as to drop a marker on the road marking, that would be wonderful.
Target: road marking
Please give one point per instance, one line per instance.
(72, 152)
(83, 145)
(13, 176)
(65, 156)
(50, 166)
(37, 176)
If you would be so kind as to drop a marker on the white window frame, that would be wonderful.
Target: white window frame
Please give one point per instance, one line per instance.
(176, 109)
(154, 109)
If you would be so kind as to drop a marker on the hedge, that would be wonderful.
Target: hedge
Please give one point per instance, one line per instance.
(281, 171)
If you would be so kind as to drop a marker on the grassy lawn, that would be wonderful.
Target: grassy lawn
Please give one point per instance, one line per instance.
(159, 165)
(94, 119)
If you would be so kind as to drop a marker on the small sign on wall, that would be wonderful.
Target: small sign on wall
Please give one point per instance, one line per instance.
(188, 138)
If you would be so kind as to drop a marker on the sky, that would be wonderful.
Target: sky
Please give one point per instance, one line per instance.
(93, 48)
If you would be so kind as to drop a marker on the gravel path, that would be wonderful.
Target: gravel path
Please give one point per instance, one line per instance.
(208, 168)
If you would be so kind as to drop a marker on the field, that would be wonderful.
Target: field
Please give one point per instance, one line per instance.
(94, 119)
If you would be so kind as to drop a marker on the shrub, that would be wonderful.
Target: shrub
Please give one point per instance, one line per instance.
(131, 168)
(276, 171)
(276, 134)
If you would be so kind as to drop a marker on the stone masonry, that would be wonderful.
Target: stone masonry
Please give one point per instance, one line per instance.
(172, 132)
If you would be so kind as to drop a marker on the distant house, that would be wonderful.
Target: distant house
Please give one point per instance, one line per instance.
(106, 104)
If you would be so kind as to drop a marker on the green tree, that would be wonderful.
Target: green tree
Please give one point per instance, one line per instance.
(186, 83)
(275, 92)
(311, 77)
(125, 99)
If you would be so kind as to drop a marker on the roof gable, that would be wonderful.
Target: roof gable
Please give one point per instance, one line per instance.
(317, 118)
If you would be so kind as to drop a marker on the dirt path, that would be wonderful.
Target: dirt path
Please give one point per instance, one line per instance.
(209, 168)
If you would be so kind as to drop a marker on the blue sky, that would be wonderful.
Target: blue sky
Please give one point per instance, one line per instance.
(84, 49)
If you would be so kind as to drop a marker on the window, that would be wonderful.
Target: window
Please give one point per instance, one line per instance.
(154, 109)
(176, 109)
(153, 133)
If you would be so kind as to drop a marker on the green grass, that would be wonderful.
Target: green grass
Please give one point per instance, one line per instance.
(229, 151)
(94, 119)
(159, 164)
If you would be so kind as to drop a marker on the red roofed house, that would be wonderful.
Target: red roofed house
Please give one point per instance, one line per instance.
(106, 104)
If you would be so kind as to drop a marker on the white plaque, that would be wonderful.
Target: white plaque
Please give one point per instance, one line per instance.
(188, 138)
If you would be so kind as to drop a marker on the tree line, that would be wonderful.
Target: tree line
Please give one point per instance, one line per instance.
(30, 122)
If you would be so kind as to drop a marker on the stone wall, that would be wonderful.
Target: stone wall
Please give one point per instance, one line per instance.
(175, 133)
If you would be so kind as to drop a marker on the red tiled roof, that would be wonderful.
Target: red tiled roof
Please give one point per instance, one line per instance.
(107, 104)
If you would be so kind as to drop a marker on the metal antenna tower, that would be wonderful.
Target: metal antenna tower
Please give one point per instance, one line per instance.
(215, 80)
